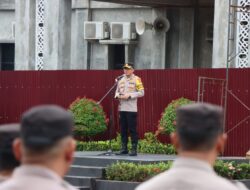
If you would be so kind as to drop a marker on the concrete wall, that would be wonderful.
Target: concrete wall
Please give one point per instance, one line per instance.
(57, 48)
(66, 48)
(25, 35)
(7, 20)
(220, 34)
(180, 38)
(7, 23)
(174, 49)
(148, 53)
(249, 48)
(78, 44)
(7, 5)
(204, 45)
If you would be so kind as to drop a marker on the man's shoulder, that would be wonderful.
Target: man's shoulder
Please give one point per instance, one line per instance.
(137, 77)
(227, 184)
(176, 179)
(9, 184)
(44, 183)
(157, 182)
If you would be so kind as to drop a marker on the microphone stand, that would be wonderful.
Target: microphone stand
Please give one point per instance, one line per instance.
(111, 121)
(105, 95)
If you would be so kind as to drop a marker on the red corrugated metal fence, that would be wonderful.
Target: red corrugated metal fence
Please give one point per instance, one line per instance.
(20, 90)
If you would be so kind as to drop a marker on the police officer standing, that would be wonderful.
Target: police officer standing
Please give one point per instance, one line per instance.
(129, 88)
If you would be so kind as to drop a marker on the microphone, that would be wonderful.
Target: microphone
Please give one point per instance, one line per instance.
(119, 78)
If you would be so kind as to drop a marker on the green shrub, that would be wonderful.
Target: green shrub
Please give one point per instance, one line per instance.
(125, 171)
(122, 171)
(89, 117)
(149, 145)
(231, 170)
(97, 146)
(242, 171)
(225, 169)
(167, 122)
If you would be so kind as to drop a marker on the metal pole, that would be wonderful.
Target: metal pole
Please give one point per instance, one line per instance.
(227, 70)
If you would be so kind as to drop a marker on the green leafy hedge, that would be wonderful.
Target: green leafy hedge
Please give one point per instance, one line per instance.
(167, 122)
(149, 145)
(89, 117)
(231, 170)
(124, 171)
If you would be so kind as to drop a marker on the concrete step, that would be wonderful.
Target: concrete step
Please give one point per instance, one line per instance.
(80, 180)
(93, 161)
(115, 185)
(97, 158)
(83, 188)
(90, 171)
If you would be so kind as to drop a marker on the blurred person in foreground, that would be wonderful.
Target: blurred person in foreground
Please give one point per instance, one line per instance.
(8, 162)
(199, 138)
(45, 149)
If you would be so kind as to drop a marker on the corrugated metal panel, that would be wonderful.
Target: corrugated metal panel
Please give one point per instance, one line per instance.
(20, 90)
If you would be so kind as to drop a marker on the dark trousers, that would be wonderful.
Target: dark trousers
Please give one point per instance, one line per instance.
(128, 122)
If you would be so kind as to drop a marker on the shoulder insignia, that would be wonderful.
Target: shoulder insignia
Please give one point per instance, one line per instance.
(139, 85)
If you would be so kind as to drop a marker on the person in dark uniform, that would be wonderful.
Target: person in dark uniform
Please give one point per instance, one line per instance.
(129, 88)
(199, 138)
(8, 162)
(45, 148)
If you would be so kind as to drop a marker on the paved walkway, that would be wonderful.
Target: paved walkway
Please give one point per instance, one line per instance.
(139, 157)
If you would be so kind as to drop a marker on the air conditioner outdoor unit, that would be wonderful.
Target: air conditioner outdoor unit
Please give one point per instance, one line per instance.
(96, 30)
(123, 30)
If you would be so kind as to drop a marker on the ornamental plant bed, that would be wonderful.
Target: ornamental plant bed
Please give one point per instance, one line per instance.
(148, 145)
(125, 171)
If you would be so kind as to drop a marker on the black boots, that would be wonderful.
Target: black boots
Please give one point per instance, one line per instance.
(133, 150)
(124, 150)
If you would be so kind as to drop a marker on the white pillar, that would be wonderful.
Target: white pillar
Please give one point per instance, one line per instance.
(249, 48)
(186, 38)
(79, 44)
(129, 53)
(57, 34)
(158, 42)
(220, 40)
(25, 35)
(100, 59)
